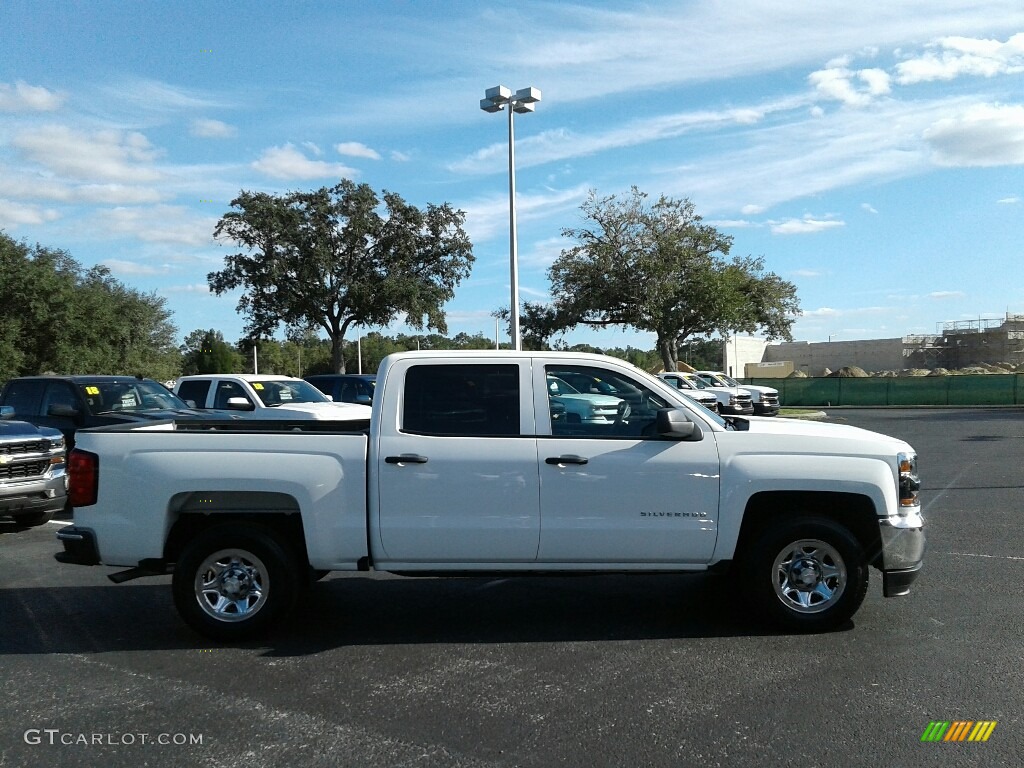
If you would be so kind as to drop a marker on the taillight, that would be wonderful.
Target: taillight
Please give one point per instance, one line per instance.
(83, 478)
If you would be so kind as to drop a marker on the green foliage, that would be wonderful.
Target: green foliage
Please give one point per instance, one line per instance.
(207, 352)
(331, 259)
(659, 268)
(57, 316)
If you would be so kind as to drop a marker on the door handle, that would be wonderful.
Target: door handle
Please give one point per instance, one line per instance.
(567, 460)
(405, 458)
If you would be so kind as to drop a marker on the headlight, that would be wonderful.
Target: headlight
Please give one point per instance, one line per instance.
(910, 484)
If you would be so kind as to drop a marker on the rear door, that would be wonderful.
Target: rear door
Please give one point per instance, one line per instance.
(455, 480)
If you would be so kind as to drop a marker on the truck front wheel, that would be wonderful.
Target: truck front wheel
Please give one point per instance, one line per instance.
(233, 581)
(808, 574)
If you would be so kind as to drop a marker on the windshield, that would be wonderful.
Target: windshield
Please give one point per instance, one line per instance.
(136, 395)
(697, 382)
(285, 391)
(728, 380)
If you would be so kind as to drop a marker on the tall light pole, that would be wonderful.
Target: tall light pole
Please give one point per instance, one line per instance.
(495, 99)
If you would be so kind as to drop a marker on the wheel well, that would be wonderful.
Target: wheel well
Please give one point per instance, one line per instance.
(286, 526)
(853, 511)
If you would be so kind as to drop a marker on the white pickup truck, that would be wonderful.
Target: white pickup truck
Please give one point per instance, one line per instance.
(465, 469)
(263, 396)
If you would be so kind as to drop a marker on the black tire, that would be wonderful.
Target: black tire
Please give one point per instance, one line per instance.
(232, 582)
(32, 519)
(808, 574)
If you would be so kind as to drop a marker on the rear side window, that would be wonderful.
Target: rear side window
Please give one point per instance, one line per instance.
(195, 391)
(23, 396)
(462, 400)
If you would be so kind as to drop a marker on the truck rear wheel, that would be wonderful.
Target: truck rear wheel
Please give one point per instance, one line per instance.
(233, 581)
(809, 574)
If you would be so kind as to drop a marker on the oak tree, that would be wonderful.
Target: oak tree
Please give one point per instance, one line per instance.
(659, 268)
(341, 257)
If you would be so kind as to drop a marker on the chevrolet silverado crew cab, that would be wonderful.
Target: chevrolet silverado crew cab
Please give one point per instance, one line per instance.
(265, 397)
(731, 401)
(764, 399)
(466, 468)
(33, 483)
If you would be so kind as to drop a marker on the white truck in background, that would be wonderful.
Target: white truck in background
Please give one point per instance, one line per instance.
(265, 396)
(730, 401)
(765, 400)
(466, 468)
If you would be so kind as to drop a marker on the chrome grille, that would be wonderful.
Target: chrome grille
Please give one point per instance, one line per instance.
(24, 469)
(17, 449)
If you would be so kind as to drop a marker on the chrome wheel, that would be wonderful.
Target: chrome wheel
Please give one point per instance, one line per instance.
(232, 585)
(809, 576)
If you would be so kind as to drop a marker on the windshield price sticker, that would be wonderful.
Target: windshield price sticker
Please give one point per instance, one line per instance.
(92, 390)
(257, 385)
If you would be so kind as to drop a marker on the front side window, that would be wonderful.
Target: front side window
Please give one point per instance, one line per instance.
(587, 401)
(283, 392)
(462, 400)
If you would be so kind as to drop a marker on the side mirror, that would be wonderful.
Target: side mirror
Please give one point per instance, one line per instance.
(6, 411)
(364, 399)
(62, 410)
(675, 423)
(190, 403)
(240, 404)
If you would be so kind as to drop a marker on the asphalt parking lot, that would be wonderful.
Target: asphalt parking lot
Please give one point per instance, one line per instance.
(378, 670)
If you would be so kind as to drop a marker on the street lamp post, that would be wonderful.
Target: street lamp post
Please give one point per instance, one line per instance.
(522, 101)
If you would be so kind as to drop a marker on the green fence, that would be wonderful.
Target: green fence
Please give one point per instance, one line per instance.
(993, 389)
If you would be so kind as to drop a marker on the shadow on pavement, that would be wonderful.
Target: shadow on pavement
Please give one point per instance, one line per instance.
(347, 610)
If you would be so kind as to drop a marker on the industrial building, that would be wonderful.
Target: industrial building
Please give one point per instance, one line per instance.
(955, 345)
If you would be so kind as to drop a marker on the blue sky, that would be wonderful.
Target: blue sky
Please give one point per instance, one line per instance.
(872, 155)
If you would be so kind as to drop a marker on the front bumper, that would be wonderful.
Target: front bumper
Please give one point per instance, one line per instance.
(736, 410)
(903, 546)
(79, 546)
(45, 494)
(766, 409)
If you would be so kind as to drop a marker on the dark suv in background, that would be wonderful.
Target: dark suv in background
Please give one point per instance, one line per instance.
(346, 387)
(70, 403)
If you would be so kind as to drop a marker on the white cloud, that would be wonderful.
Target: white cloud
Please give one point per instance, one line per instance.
(212, 129)
(158, 224)
(853, 88)
(201, 288)
(868, 207)
(808, 273)
(146, 94)
(400, 157)
(1009, 200)
(14, 214)
(954, 57)
(312, 147)
(488, 217)
(289, 163)
(105, 155)
(23, 97)
(37, 187)
(752, 210)
(981, 135)
(355, 149)
(806, 225)
(940, 295)
(732, 223)
(556, 145)
(119, 267)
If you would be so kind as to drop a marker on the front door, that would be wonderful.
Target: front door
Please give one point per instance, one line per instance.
(613, 492)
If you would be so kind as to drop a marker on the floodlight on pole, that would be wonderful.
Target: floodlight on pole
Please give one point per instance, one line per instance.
(522, 101)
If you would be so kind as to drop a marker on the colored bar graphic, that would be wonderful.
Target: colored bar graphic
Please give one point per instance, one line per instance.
(958, 730)
(935, 731)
